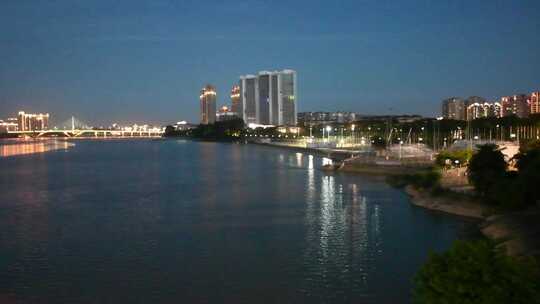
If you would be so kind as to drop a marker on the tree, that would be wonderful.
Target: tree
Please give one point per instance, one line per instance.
(474, 272)
(528, 177)
(220, 130)
(486, 169)
(169, 131)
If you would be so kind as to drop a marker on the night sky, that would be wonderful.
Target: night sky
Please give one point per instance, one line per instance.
(134, 61)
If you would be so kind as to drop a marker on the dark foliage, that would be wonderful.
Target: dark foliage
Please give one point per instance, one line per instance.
(474, 272)
(222, 130)
(428, 179)
(486, 169)
(528, 177)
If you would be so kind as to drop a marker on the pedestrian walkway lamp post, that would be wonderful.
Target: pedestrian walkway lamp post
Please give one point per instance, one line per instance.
(328, 129)
(354, 138)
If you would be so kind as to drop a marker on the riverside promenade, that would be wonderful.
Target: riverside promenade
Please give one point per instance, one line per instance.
(362, 158)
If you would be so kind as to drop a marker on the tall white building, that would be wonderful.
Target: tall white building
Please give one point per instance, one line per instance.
(269, 98)
(248, 99)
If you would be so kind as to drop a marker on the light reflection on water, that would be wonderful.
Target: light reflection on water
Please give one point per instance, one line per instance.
(23, 147)
(205, 222)
(327, 161)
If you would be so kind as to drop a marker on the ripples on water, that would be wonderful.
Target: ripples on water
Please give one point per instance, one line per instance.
(184, 222)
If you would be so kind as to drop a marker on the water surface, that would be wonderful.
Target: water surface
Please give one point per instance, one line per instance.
(165, 221)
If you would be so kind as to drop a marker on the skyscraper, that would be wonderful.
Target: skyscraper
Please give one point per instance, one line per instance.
(287, 103)
(454, 108)
(263, 97)
(248, 99)
(208, 105)
(235, 100)
(269, 98)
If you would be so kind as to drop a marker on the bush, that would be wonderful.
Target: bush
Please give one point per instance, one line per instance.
(474, 272)
(425, 180)
(462, 156)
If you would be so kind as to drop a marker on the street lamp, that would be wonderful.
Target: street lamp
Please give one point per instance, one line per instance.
(352, 129)
(328, 129)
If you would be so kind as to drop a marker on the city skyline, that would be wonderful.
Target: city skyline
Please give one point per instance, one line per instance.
(135, 61)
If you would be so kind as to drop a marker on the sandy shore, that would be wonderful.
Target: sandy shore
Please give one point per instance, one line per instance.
(467, 208)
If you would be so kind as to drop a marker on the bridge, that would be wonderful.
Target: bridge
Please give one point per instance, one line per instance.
(75, 133)
(73, 128)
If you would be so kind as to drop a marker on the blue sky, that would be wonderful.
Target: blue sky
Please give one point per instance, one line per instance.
(127, 61)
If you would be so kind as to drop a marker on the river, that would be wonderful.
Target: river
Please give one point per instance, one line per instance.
(175, 221)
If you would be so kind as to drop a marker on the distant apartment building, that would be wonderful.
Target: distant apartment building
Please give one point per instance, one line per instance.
(9, 125)
(269, 98)
(515, 105)
(475, 99)
(314, 118)
(235, 99)
(396, 118)
(481, 110)
(495, 109)
(208, 104)
(454, 108)
(225, 114)
(32, 122)
(534, 101)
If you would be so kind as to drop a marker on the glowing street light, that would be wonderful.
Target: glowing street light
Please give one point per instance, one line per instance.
(328, 129)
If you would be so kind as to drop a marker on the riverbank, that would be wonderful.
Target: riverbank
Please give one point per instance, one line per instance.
(462, 206)
(333, 154)
(517, 232)
(359, 161)
(381, 167)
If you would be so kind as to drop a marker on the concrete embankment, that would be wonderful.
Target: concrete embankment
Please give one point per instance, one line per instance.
(336, 155)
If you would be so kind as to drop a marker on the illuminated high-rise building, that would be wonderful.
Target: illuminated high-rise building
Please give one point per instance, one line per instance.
(32, 122)
(235, 99)
(248, 99)
(287, 103)
(225, 114)
(269, 98)
(515, 105)
(534, 101)
(263, 97)
(208, 105)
